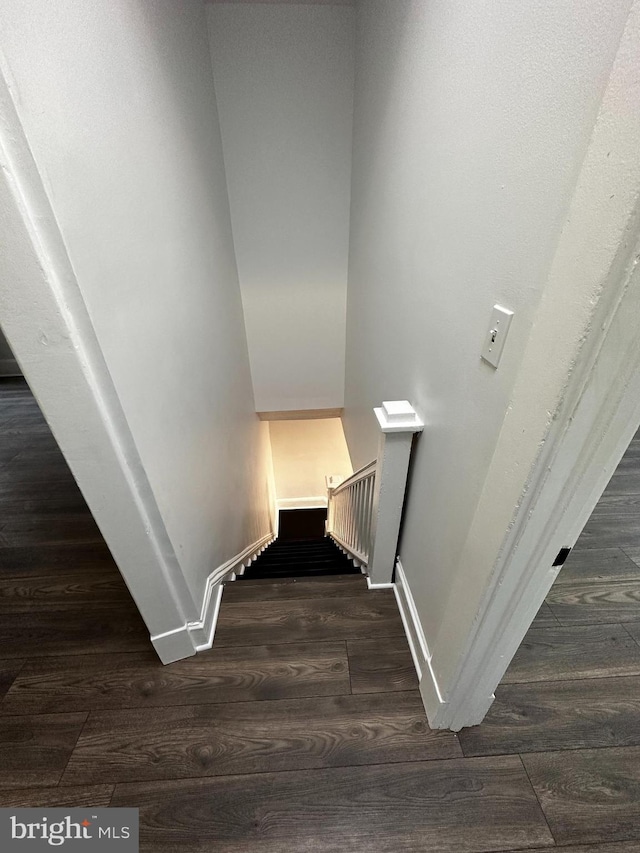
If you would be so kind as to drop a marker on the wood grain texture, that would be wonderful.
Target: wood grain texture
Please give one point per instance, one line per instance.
(78, 796)
(589, 795)
(633, 629)
(633, 554)
(9, 670)
(138, 680)
(52, 504)
(580, 602)
(544, 618)
(45, 528)
(301, 730)
(624, 482)
(256, 737)
(581, 651)
(614, 847)
(596, 565)
(614, 523)
(62, 592)
(381, 665)
(83, 559)
(335, 586)
(456, 806)
(34, 750)
(60, 632)
(558, 715)
(261, 622)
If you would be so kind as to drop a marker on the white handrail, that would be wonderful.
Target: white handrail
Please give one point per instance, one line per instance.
(358, 475)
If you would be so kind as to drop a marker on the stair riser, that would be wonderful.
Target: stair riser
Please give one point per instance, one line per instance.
(300, 559)
(297, 574)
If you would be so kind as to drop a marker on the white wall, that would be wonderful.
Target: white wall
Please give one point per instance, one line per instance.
(471, 124)
(284, 81)
(304, 453)
(118, 106)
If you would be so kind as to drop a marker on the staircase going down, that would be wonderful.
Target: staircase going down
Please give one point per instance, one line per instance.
(300, 558)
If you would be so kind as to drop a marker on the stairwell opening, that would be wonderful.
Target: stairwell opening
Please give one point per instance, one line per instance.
(305, 451)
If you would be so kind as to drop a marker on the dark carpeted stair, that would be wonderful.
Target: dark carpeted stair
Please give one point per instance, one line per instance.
(300, 558)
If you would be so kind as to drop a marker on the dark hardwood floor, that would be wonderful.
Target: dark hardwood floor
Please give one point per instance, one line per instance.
(302, 729)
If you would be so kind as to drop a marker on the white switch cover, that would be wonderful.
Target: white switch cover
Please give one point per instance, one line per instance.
(497, 334)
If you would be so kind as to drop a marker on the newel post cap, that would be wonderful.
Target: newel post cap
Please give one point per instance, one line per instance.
(334, 480)
(398, 416)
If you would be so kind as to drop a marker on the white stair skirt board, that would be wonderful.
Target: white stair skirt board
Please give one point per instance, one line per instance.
(357, 559)
(429, 690)
(198, 636)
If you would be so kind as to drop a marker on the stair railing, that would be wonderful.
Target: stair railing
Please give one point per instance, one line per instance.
(365, 510)
(350, 511)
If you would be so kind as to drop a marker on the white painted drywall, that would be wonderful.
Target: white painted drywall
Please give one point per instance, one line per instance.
(471, 123)
(304, 453)
(118, 106)
(284, 83)
(574, 407)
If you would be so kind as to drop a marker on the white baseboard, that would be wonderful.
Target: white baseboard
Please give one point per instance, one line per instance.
(432, 700)
(311, 502)
(202, 632)
(198, 636)
(174, 645)
(377, 585)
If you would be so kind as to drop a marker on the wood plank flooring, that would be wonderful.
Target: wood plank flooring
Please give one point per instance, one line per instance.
(569, 703)
(302, 729)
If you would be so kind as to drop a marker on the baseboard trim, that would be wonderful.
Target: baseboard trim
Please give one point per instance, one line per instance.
(300, 415)
(174, 645)
(435, 707)
(202, 631)
(378, 585)
(311, 502)
(198, 636)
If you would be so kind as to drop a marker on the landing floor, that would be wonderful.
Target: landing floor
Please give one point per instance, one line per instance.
(302, 729)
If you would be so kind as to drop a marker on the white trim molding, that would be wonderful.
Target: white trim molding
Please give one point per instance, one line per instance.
(173, 645)
(197, 636)
(202, 631)
(371, 585)
(434, 705)
(311, 502)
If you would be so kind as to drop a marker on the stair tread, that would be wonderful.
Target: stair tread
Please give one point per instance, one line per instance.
(303, 559)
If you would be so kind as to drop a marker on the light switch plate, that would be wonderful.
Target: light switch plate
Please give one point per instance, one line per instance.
(497, 334)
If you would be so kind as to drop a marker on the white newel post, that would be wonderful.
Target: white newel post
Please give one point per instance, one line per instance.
(332, 482)
(398, 423)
